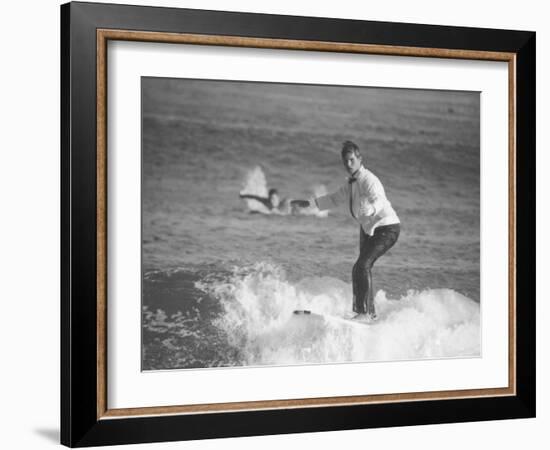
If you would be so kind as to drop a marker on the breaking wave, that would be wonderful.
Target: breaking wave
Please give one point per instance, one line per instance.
(257, 318)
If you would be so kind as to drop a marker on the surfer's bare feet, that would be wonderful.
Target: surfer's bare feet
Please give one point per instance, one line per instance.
(365, 317)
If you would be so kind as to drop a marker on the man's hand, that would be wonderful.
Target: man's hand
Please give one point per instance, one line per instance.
(300, 203)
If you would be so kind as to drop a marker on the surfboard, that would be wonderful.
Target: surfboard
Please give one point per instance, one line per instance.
(313, 316)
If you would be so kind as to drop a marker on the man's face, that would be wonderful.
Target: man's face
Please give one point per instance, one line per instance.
(351, 162)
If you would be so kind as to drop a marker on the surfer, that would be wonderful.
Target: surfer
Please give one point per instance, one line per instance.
(379, 225)
(271, 202)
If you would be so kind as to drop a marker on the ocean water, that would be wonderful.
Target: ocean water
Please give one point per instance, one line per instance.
(221, 276)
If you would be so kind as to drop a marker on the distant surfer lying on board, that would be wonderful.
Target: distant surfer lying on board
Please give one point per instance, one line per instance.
(272, 200)
(378, 223)
(272, 203)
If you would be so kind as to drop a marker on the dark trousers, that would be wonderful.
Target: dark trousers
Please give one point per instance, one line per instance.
(370, 249)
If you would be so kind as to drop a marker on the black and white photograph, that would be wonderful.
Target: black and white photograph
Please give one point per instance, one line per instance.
(290, 224)
(279, 224)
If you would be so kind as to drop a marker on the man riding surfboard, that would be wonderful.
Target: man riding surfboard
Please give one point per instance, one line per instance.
(379, 226)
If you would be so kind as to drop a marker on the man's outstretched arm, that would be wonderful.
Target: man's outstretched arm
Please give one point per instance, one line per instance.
(326, 201)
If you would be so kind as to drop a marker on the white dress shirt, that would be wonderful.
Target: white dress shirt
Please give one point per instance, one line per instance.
(366, 200)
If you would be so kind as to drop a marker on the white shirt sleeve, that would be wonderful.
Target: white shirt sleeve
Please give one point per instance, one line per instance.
(332, 200)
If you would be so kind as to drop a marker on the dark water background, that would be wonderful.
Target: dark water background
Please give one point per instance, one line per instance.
(201, 139)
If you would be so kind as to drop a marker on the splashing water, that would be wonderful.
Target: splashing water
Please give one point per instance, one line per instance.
(318, 191)
(258, 304)
(255, 184)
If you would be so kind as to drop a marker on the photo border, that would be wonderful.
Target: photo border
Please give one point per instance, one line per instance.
(85, 417)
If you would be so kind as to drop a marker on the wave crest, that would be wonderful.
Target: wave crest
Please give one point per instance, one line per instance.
(258, 303)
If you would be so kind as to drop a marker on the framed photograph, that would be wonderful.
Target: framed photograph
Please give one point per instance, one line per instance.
(277, 224)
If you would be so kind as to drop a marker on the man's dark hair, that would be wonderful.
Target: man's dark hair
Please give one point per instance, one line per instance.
(350, 147)
(272, 192)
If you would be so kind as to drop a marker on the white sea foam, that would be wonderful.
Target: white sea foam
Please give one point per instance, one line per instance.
(259, 302)
(255, 184)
